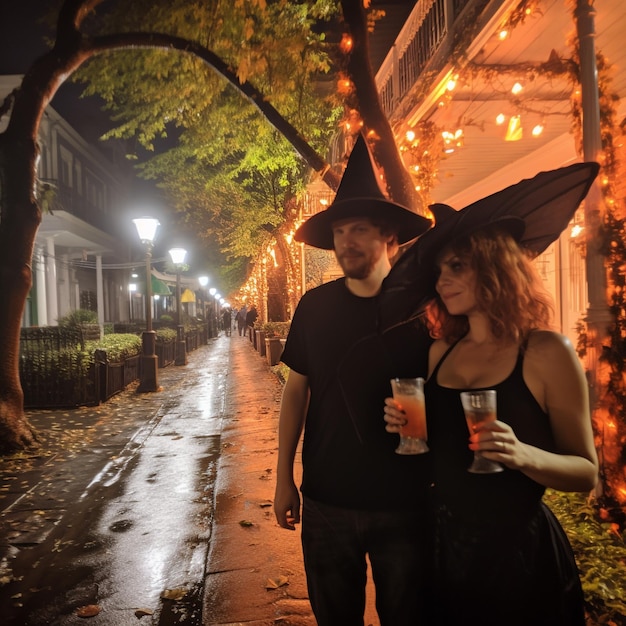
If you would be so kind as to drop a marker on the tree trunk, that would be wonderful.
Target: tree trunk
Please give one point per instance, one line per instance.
(400, 185)
(17, 235)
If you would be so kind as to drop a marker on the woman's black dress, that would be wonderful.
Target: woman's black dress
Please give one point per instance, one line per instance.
(502, 558)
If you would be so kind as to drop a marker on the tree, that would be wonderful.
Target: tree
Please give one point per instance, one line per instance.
(20, 213)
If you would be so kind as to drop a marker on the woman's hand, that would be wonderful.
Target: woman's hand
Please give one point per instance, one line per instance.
(496, 441)
(394, 416)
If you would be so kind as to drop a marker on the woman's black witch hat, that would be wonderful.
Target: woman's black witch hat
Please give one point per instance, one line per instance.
(545, 204)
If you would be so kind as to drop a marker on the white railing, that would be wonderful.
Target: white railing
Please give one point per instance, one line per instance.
(417, 43)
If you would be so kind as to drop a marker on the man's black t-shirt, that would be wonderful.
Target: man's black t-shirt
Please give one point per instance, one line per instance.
(348, 457)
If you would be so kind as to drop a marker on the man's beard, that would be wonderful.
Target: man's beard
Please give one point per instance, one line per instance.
(360, 270)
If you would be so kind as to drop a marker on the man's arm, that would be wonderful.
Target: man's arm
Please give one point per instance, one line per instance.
(291, 422)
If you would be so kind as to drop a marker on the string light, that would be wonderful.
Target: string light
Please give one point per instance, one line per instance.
(537, 130)
(514, 130)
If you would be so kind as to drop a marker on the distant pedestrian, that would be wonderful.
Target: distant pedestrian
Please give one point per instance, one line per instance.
(241, 320)
(251, 316)
(227, 321)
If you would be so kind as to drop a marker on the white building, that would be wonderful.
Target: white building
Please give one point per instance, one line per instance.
(81, 257)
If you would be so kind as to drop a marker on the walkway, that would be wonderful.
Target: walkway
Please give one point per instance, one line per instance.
(155, 508)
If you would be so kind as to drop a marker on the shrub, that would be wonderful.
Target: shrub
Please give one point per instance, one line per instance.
(275, 329)
(166, 318)
(600, 553)
(166, 335)
(78, 317)
(118, 347)
(67, 363)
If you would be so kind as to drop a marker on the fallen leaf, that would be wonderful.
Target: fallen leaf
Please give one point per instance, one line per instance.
(265, 504)
(245, 523)
(275, 583)
(141, 612)
(89, 610)
(174, 594)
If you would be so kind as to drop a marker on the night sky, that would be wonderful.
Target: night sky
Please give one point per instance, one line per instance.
(22, 41)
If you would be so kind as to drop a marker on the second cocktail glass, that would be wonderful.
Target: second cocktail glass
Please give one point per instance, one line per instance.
(409, 394)
(480, 406)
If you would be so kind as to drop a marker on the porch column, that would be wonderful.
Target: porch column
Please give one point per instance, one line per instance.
(598, 316)
(64, 286)
(51, 283)
(40, 290)
(100, 293)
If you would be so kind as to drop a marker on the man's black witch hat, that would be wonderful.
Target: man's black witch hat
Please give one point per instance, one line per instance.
(360, 195)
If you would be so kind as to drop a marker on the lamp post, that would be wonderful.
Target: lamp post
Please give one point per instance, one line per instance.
(178, 258)
(146, 229)
(204, 281)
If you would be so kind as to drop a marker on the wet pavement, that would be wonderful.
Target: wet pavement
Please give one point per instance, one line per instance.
(155, 508)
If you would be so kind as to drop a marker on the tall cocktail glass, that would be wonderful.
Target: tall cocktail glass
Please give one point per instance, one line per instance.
(409, 394)
(479, 407)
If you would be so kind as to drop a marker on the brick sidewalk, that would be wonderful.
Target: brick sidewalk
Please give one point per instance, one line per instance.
(247, 559)
(249, 551)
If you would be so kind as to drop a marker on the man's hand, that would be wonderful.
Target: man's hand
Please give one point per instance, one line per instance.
(287, 506)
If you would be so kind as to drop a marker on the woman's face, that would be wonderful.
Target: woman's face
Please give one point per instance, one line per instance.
(456, 284)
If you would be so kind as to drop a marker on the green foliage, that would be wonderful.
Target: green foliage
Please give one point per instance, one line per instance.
(78, 317)
(281, 371)
(118, 347)
(600, 553)
(69, 363)
(166, 318)
(165, 335)
(230, 175)
(275, 329)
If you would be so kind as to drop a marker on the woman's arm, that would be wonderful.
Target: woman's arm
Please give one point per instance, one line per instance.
(556, 379)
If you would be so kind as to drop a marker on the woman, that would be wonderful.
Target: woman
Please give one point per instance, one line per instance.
(501, 556)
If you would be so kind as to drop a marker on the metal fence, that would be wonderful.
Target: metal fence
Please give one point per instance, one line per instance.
(56, 371)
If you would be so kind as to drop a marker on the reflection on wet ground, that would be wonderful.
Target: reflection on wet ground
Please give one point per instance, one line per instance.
(119, 516)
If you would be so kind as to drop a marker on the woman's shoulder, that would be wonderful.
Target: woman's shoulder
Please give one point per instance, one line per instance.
(548, 340)
(549, 348)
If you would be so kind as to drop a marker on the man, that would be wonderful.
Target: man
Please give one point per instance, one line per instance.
(360, 499)
(240, 318)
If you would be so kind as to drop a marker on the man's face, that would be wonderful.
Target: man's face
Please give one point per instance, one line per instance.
(359, 246)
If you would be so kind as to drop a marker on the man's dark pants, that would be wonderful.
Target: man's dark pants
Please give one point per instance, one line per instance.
(335, 543)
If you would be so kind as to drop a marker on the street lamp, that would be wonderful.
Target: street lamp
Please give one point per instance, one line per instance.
(146, 229)
(178, 258)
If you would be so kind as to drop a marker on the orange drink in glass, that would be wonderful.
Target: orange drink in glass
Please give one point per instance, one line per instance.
(409, 394)
(480, 406)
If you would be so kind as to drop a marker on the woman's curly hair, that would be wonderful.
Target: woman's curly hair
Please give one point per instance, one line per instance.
(508, 289)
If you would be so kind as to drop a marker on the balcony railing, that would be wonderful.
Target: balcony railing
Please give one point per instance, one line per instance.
(423, 35)
(71, 201)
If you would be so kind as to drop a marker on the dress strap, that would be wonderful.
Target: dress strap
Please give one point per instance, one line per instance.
(433, 376)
